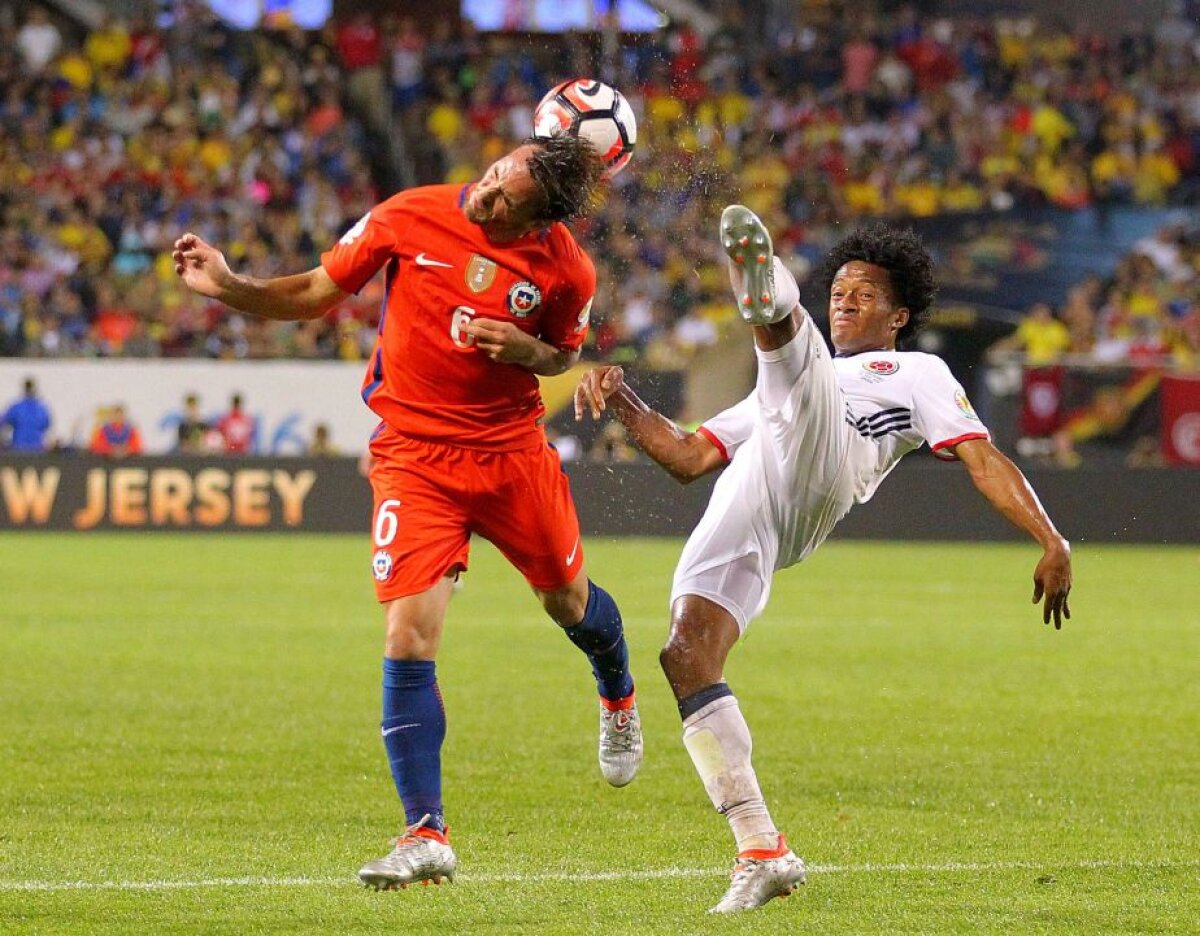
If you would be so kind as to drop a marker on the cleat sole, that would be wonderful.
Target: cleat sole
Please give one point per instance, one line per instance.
(747, 240)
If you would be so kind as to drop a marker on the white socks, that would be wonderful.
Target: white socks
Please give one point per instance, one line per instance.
(718, 740)
(787, 291)
(780, 283)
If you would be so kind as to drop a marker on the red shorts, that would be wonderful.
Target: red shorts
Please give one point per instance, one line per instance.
(430, 498)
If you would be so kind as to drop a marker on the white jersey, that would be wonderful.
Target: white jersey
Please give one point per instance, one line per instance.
(817, 435)
(899, 400)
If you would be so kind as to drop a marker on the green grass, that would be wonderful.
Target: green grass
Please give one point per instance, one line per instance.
(203, 710)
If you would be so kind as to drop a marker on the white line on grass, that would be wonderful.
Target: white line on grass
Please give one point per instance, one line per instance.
(974, 867)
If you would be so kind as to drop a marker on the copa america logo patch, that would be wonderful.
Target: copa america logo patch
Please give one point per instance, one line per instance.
(961, 401)
(381, 565)
(882, 368)
(523, 298)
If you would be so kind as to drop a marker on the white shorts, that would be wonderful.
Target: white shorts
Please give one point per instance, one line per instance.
(786, 488)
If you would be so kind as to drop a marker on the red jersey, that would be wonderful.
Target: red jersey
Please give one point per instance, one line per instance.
(116, 435)
(426, 379)
(237, 431)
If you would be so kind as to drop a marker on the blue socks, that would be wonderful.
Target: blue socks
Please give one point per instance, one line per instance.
(414, 720)
(414, 727)
(601, 636)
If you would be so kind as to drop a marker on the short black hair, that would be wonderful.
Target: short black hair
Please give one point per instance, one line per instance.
(899, 251)
(568, 170)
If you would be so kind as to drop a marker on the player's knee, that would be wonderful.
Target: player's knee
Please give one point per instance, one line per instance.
(406, 643)
(567, 605)
(410, 636)
(564, 609)
(676, 657)
(405, 649)
(668, 658)
(700, 639)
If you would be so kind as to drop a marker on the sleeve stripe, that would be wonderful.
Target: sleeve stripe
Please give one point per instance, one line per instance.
(950, 443)
(707, 433)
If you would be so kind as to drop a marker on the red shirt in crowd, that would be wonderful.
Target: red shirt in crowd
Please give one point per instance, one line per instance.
(359, 44)
(237, 429)
(116, 437)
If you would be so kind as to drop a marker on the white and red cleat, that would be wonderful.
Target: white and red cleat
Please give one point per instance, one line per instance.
(760, 874)
(620, 741)
(421, 854)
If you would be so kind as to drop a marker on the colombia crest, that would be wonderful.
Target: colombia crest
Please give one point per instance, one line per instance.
(882, 368)
(523, 298)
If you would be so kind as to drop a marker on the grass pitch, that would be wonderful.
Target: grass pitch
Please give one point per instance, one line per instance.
(189, 744)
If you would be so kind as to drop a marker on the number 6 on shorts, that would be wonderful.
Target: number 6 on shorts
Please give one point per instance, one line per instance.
(386, 522)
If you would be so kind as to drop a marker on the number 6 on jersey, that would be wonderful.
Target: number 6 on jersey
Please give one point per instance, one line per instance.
(458, 326)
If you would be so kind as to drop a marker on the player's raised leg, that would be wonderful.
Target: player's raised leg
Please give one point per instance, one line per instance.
(535, 525)
(766, 292)
(591, 620)
(413, 729)
(718, 740)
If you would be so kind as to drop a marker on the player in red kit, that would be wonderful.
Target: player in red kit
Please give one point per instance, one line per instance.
(485, 290)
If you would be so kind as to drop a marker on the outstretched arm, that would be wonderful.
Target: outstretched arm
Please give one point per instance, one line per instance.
(504, 343)
(1002, 483)
(685, 455)
(301, 296)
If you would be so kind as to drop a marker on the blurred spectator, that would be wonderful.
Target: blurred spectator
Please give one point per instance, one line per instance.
(613, 445)
(408, 52)
(116, 436)
(192, 432)
(320, 446)
(1040, 337)
(38, 40)
(27, 421)
(238, 429)
(567, 446)
(1165, 250)
(360, 47)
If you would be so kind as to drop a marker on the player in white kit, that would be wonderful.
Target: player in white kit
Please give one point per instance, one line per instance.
(816, 437)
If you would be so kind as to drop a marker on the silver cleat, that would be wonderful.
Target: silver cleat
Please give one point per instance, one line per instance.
(752, 268)
(620, 744)
(756, 880)
(416, 857)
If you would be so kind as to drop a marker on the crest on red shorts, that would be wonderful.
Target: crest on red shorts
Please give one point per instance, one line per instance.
(381, 565)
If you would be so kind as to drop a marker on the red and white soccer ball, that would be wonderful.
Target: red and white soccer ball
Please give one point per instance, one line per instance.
(595, 111)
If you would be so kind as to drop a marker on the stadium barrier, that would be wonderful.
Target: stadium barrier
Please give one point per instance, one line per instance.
(923, 500)
(287, 399)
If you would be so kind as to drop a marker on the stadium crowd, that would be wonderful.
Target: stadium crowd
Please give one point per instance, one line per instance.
(843, 116)
(115, 143)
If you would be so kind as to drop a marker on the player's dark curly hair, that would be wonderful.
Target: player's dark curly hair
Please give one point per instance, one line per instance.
(568, 171)
(900, 252)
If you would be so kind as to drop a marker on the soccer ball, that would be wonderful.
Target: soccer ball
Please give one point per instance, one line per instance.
(595, 111)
